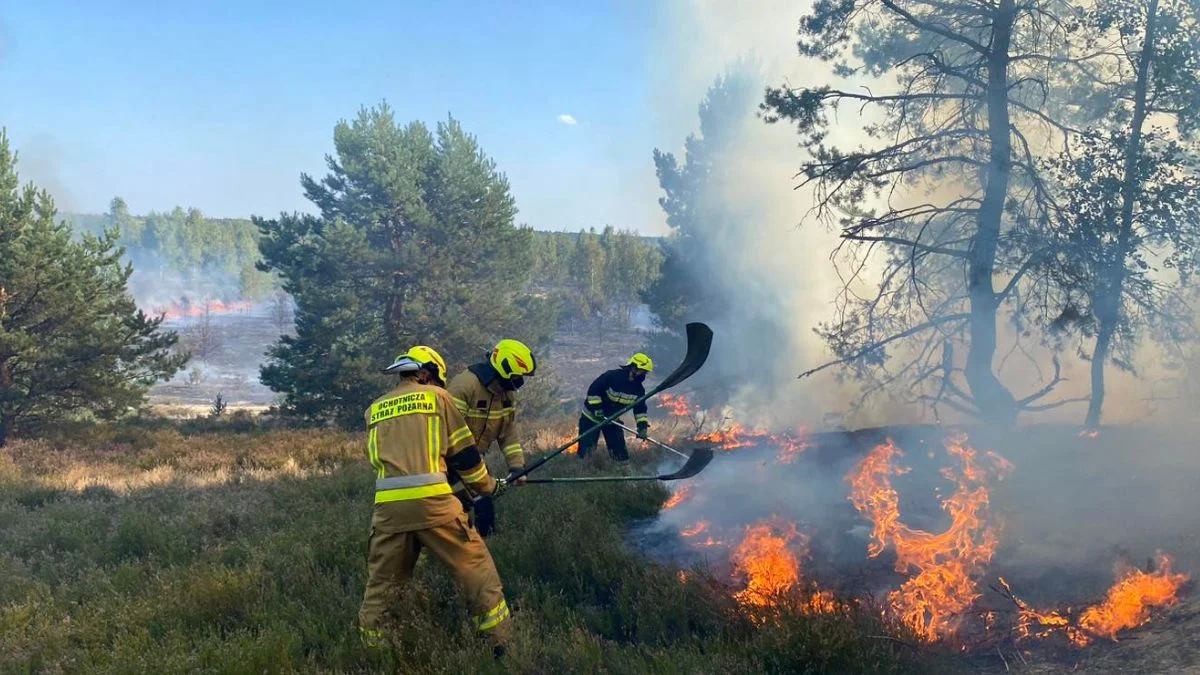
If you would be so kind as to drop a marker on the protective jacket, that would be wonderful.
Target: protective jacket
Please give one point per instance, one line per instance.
(612, 391)
(490, 411)
(414, 435)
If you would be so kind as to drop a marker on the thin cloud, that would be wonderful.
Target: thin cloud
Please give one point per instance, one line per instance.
(568, 119)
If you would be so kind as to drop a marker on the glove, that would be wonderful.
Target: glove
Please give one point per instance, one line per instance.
(643, 431)
(485, 512)
(501, 488)
(518, 481)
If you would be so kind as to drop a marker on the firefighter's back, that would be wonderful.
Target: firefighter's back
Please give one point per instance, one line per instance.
(407, 436)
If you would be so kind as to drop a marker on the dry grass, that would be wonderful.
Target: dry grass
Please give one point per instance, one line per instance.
(167, 549)
(139, 459)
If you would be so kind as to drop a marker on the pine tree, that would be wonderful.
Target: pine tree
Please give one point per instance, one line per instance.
(72, 340)
(702, 218)
(416, 243)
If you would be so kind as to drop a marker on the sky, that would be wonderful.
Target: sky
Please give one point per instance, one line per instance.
(222, 104)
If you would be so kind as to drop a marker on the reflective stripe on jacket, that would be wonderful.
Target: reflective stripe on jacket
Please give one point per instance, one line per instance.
(414, 434)
(612, 391)
(490, 412)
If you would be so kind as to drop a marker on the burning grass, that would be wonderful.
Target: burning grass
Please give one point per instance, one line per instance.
(940, 588)
(944, 566)
(215, 572)
(185, 308)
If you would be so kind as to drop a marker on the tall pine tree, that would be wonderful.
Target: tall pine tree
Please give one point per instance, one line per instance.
(705, 218)
(415, 243)
(72, 340)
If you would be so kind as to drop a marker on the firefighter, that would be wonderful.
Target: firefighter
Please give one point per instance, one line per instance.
(415, 435)
(610, 392)
(485, 394)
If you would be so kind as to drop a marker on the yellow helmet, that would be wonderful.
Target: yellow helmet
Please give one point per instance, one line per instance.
(512, 358)
(642, 362)
(420, 357)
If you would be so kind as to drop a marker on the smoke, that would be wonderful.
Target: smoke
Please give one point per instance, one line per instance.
(155, 283)
(773, 278)
(40, 159)
(1072, 506)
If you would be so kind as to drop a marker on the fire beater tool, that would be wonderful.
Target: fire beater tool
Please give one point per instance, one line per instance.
(696, 462)
(660, 444)
(699, 341)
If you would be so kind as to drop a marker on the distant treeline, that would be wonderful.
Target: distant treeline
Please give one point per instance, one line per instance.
(183, 251)
(595, 278)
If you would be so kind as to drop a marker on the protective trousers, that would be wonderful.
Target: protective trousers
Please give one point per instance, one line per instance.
(614, 440)
(392, 556)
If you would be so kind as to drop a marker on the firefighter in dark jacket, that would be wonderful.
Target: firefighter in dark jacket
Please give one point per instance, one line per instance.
(609, 393)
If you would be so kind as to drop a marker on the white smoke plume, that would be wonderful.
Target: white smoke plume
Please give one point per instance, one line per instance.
(778, 271)
(778, 263)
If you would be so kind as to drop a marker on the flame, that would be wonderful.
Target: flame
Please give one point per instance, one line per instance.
(179, 310)
(767, 563)
(572, 449)
(699, 528)
(727, 439)
(1129, 600)
(944, 563)
(767, 560)
(1034, 624)
(679, 497)
(791, 448)
(676, 405)
(739, 436)
(1127, 605)
(1089, 433)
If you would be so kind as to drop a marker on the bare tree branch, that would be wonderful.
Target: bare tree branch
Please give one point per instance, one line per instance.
(883, 343)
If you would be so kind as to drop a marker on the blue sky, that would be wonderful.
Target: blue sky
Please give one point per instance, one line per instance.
(222, 104)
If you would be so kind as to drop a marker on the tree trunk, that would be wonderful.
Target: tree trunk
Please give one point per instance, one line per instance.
(1110, 288)
(995, 402)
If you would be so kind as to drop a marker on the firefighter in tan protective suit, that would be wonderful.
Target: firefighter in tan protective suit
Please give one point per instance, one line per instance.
(415, 434)
(485, 394)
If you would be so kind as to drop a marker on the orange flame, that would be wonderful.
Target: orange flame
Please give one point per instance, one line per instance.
(676, 405)
(179, 310)
(1129, 601)
(791, 448)
(572, 449)
(1034, 624)
(1089, 433)
(726, 439)
(699, 528)
(1127, 605)
(739, 436)
(944, 563)
(679, 497)
(766, 560)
